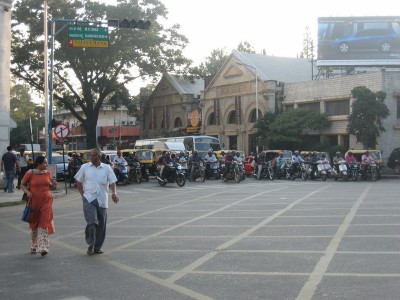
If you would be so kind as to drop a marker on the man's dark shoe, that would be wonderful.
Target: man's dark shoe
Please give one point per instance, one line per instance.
(98, 251)
(90, 250)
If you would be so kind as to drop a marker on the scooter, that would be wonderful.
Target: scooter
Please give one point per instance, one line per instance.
(342, 173)
(121, 172)
(173, 173)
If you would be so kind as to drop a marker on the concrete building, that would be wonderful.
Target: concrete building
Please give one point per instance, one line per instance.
(115, 128)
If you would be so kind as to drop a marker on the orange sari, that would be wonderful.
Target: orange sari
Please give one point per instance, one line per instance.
(41, 200)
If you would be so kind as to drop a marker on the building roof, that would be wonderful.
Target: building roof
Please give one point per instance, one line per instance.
(184, 86)
(285, 69)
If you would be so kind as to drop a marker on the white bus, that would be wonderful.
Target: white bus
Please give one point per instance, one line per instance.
(200, 143)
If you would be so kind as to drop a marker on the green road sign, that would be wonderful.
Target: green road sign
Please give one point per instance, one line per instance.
(87, 36)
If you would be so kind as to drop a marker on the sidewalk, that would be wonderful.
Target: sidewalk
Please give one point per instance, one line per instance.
(15, 197)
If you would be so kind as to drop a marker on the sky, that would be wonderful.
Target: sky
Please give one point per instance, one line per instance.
(277, 26)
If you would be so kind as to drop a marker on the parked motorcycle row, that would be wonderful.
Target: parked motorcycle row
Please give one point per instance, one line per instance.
(319, 170)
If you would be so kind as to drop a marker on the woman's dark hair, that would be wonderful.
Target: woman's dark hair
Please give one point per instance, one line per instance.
(39, 160)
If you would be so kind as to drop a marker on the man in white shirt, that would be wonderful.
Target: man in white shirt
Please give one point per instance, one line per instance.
(22, 159)
(93, 181)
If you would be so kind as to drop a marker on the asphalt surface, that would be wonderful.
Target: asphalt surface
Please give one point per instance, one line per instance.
(213, 240)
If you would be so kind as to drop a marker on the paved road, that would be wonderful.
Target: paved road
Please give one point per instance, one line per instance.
(214, 240)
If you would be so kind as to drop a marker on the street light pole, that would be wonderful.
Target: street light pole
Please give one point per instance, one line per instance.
(255, 71)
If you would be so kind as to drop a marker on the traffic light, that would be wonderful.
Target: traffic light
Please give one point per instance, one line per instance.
(125, 23)
(54, 123)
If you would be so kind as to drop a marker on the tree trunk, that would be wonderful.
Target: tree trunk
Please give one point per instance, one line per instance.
(90, 125)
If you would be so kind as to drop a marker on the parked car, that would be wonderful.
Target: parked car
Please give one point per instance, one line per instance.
(394, 160)
(62, 166)
(383, 39)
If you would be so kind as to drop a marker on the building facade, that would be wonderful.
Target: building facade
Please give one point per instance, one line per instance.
(172, 108)
(115, 129)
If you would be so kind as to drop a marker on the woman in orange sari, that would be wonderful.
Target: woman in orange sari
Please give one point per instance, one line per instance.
(39, 195)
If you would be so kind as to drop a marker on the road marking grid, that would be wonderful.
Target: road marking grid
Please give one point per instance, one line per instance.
(170, 207)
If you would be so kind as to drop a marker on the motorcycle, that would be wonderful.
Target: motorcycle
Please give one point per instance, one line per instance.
(212, 170)
(198, 170)
(300, 170)
(135, 171)
(121, 172)
(286, 172)
(267, 171)
(184, 165)
(241, 170)
(172, 173)
(322, 171)
(370, 172)
(342, 173)
(353, 171)
(233, 173)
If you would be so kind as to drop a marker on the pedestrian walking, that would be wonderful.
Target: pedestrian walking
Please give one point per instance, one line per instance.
(93, 181)
(9, 164)
(22, 164)
(40, 197)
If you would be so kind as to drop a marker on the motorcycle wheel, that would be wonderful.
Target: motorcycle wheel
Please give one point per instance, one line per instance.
(202, 177)
(180, 180)
(161, 182)
(323, 177)
(354, 176)
(237, 177)
(374, 175)
(139, 177)
(225, 179)
(304, 175)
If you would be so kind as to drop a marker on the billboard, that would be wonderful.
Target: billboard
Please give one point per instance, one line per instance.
(359, 41)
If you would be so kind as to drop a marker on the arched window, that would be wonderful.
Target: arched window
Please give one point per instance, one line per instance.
(253, 115)
(232, 117)
(178, 123)
(211, 119)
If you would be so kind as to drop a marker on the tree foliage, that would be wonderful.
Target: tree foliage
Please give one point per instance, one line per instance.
(22, 110)
(289, 129)
(308, 45)
(85, 78)
(365, 120)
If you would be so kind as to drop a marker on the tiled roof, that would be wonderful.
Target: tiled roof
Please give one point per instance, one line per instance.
(285, 69)
(184, 86)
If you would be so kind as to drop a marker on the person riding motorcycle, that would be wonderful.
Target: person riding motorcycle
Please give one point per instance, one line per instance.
(296, 160)
(74, 164)
(194, 161)
(280, 162)
(132, 158)
(338, 157)
(105, 160)
(366, 160)
(166, 163)
(350, 159)
(228, 163)
(211, 161)
(119, 161)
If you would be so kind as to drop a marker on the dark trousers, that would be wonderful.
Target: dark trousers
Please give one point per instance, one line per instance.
(96, 220)
(21, 175)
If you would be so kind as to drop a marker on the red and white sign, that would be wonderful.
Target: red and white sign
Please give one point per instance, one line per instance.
(61, 131)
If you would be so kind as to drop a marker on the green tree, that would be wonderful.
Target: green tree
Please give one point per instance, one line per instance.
(365, 120)
(246, 47)
(263, 124)
(308, 45)
(214, 62)
(289, 129)
(22, 110)
(85, 78)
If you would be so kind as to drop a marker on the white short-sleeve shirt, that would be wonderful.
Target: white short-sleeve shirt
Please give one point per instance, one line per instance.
(95, 182)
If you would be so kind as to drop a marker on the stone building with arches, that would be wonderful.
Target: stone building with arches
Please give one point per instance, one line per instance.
(229, 101)
(172, 108)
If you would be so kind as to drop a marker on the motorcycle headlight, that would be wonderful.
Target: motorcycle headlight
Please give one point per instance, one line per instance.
(179, 167)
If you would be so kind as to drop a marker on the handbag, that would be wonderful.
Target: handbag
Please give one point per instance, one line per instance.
(25, 195)
(27, 213)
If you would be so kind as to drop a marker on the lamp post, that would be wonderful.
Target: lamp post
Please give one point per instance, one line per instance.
(255, 71)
